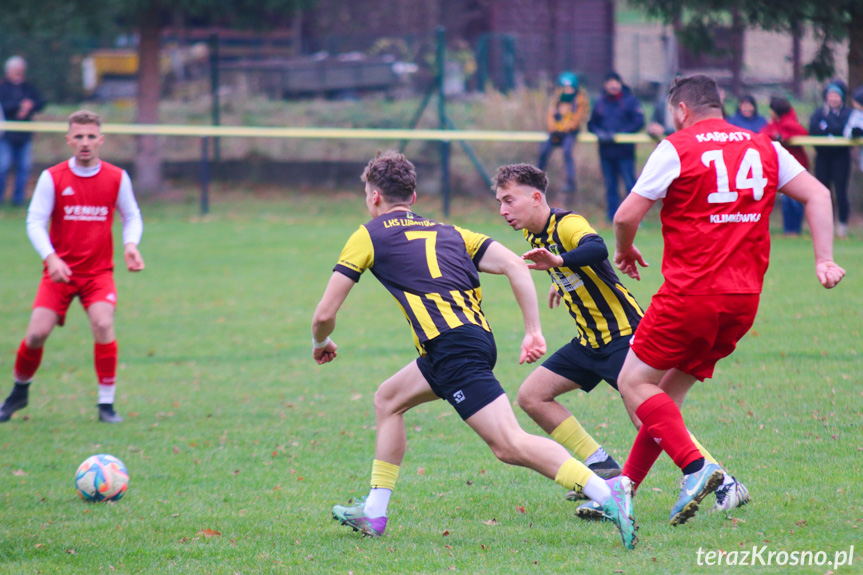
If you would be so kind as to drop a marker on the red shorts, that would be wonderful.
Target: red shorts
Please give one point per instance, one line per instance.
(692, 333)
(90, 289)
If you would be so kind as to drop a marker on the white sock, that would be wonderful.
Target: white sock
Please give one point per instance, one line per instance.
(377, 502)
(596, 457)
(106, 393)
(597, 489)
(728, 480)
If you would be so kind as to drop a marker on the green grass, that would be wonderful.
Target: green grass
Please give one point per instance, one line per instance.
(230, 426)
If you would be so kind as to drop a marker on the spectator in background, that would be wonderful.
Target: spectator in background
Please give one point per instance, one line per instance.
(854, 127)
(661, 124)
(747, 116)
(566, 114)
(20, 100)
(616, 112)
(784, 125)
(833, 163)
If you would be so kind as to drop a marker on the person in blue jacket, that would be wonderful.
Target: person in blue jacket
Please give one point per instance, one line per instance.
(617, 111)
(747, 116)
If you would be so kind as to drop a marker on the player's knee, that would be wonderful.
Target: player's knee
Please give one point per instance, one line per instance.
(36, 337)
(102, 326)
(508, 450)
(527, 397)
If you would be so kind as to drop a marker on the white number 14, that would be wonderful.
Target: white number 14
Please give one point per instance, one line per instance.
(751, 164)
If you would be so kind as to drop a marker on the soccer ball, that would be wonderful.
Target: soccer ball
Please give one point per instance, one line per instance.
(101, 477)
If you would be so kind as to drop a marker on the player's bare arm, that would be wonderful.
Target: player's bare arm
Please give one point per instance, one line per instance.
(501, 261)
(626, 221)
(806, 189)
(324, 320)
(134, 261)
(57, 269)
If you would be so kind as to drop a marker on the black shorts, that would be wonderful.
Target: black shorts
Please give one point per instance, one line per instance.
(458, 366)
(587, 366)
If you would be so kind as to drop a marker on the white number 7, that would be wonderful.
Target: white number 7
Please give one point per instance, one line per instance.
(751, 164)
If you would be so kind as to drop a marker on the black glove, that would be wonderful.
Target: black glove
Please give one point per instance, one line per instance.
(856, 132)
(557, 138)
(558, 116)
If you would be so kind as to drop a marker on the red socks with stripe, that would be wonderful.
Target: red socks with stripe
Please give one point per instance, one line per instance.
(27, 362)
(663, 422)
(105, 360)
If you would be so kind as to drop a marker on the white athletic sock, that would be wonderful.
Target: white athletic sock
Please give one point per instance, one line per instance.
(597, 489)
(106, 393)
(596, 457)
(377, 502)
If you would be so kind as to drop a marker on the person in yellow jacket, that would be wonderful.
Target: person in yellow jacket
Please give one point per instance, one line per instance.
(567, 113)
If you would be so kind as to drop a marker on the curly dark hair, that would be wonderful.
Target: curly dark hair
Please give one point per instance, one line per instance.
(520, 174)
(393, 175)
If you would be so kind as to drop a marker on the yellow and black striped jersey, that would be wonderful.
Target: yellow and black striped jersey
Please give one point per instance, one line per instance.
(430, 268)
(602, 308)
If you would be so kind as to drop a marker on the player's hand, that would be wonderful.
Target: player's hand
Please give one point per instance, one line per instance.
(58, 271)
(532, 347)
(553, 297)
(626, 262)
(829, 274)
(542, 259)
(134, 261)
(325, 354)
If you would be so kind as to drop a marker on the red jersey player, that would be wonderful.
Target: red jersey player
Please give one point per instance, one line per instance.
(717, 184)
(78, 197)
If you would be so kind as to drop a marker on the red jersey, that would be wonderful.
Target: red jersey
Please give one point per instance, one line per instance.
(83, 217)
(718, 183)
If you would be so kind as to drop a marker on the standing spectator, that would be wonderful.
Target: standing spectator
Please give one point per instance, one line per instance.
(783, 125)
(20, 100)
(616, 112)
(854, 127)
(565, 116)
(747, 116)
(833, 163)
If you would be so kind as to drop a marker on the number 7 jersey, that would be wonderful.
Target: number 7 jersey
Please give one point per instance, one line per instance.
(718, 184)
(430, 268)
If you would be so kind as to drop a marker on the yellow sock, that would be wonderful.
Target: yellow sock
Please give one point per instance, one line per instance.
(572, 436)
(703, 451)
(573, 472)
(384, 475)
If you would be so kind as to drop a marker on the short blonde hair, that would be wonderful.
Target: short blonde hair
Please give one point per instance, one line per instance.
(85, 117)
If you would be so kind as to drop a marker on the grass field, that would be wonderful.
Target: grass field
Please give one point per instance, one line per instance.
(238, 444)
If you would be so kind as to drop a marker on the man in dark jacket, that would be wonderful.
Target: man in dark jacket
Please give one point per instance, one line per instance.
(20, 100)
(833, 163)
(617, 111)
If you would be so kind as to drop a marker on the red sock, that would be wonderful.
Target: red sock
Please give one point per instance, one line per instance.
(27, 362)
(644, 454)
(105, 359)
(663, 421)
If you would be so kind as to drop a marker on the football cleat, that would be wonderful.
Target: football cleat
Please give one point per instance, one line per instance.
(618, 510)
(730, 496)
(693, 489)
(107, 413)
(605, 469)
(590, 511)
(354, 516)
(10, 406)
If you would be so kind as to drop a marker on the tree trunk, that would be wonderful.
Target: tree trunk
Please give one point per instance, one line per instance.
(855, 50)
(148, 164)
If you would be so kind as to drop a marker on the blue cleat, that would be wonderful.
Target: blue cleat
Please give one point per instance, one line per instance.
(618, 510)
(590, 511)
(694, 488)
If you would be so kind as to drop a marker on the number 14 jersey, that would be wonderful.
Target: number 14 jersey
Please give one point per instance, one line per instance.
(718, 184)
(430, 268)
